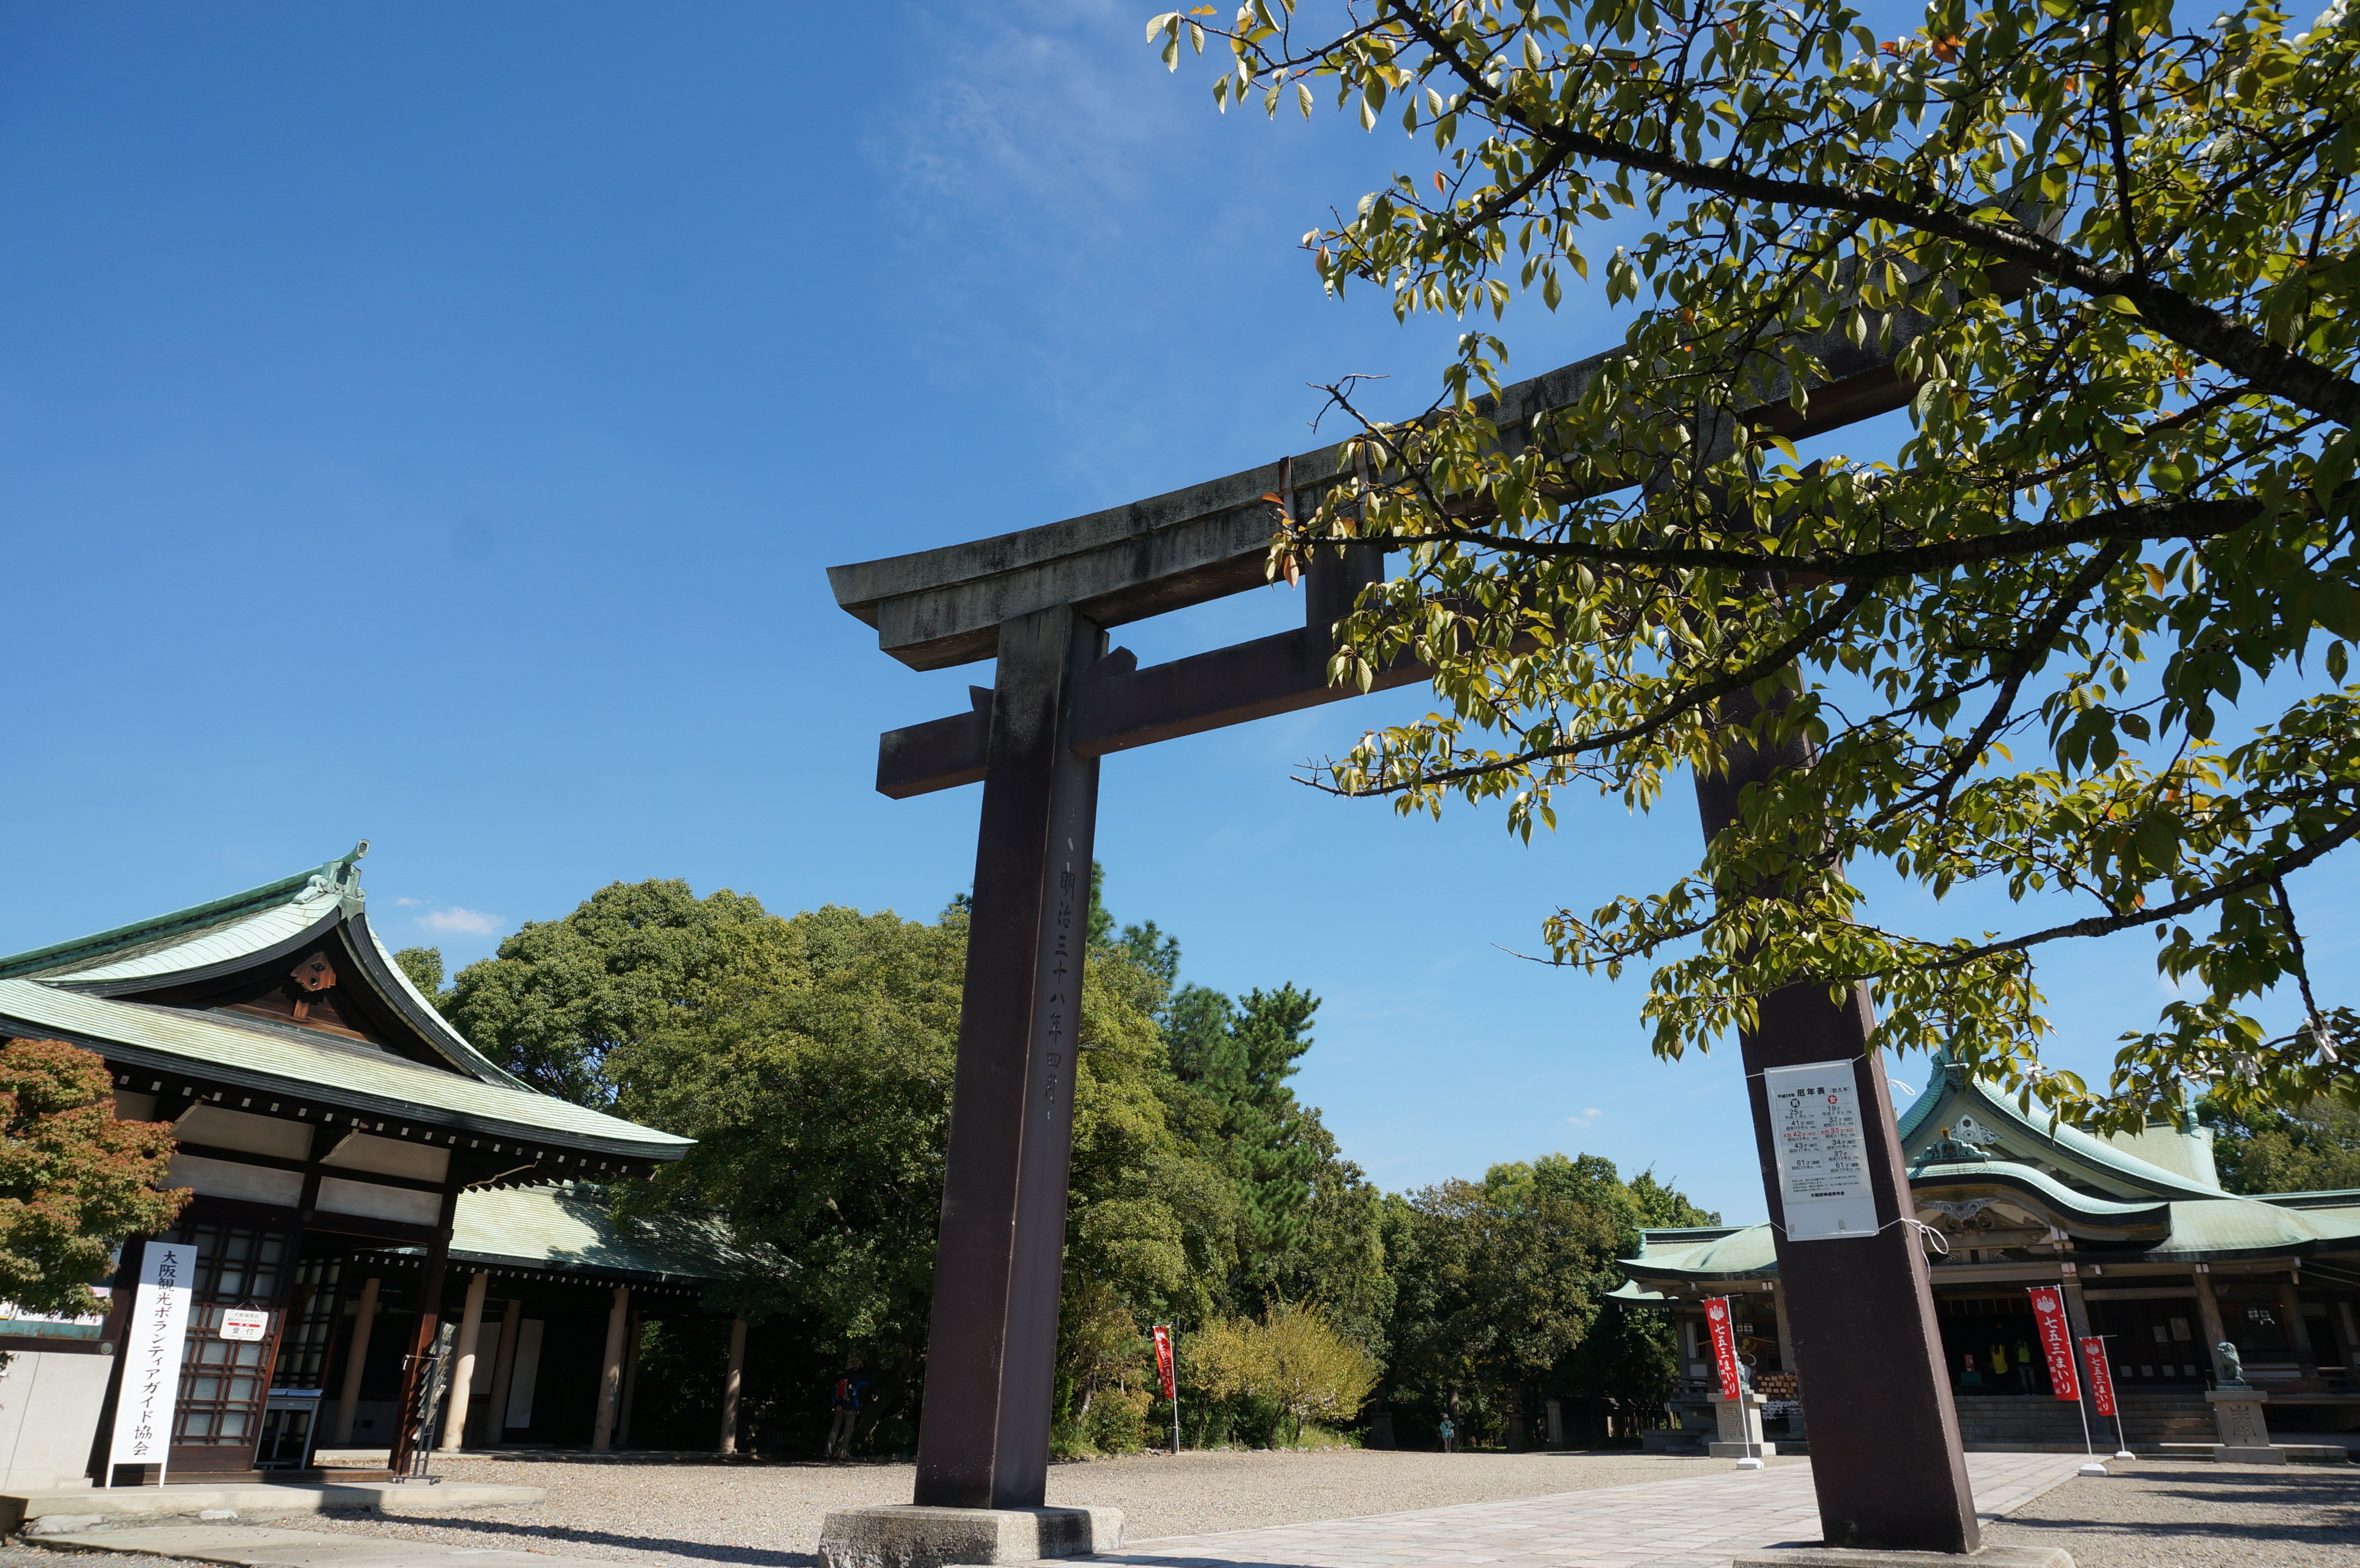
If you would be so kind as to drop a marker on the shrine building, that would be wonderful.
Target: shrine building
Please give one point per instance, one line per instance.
(2150, 1251)
(362, 1174)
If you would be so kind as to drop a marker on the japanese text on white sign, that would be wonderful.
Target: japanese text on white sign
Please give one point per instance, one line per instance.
(1823, 1155)
(153, 1341)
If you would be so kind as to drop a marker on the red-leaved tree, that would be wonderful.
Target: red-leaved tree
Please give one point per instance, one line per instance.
(74, 1182)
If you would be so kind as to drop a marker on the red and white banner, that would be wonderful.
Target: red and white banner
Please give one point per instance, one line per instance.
(2101, 1378)
(1724, 1345)
(2056, 1340)
(1164, 1358)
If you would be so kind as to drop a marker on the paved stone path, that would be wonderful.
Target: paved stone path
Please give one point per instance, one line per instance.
(1697, 1522)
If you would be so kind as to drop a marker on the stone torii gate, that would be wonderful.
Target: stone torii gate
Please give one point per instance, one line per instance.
(1887, 1459)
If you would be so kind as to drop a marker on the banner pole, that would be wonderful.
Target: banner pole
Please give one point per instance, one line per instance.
(2122, 1438)
(2065, 1379)
(2081, 1406)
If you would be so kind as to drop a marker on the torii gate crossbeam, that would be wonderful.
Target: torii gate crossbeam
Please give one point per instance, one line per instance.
(1887, 1464)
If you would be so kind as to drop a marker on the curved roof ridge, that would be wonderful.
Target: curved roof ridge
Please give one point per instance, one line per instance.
(1922, 1107)
(232, 1049)
(425, 1015)
(2002, 1171)
(1951, 1082)
(159, 933)
(2091, 1149)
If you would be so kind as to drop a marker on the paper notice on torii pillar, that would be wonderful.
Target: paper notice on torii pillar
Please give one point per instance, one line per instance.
(1822, 1154)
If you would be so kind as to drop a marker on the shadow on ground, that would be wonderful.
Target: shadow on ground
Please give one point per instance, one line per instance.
(711, 1552)
(2316, 1509)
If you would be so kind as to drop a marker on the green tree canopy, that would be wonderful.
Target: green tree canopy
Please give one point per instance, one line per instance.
(1495, 1280)
(1294, 1357)
(562, 996)
(2313, 1149)
(820, 1099)
(2081, 638)
(812, 1059)
(1499, 1291)
(423, 965)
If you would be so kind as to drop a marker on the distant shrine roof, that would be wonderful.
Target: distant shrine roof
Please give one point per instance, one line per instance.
(287, 990)
(2153, 1196)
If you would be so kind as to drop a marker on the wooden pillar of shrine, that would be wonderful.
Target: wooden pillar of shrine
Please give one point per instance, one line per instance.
(410, 1422)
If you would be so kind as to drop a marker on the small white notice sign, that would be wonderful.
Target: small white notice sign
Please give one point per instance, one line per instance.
(244, 1322)
(152, 1347)
(1822, 1155)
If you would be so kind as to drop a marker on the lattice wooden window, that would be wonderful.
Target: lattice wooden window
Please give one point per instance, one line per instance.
(311, 1320)
(224, 1381)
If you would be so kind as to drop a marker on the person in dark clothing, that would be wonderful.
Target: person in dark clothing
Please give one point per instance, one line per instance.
(844, 1403)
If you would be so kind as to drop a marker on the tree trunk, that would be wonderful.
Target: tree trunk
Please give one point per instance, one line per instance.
(1516, 1416)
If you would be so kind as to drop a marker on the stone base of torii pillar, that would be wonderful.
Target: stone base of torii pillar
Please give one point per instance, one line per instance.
(910, 1535)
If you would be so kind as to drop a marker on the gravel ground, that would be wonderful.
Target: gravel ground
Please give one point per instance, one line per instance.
(2156, 1514)
(695, 1513)
(18, 1554)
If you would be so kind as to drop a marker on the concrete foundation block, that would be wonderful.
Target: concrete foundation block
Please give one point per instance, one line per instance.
(63, 1524)
(1851, 1557)
(1738, 1450)
(905, 1535)
(2239, 1453)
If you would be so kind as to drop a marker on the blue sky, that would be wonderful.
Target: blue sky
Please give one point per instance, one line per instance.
(431, 424)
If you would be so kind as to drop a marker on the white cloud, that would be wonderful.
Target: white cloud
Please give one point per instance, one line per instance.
(407, 903)
(1588, 1114)
(470, 922)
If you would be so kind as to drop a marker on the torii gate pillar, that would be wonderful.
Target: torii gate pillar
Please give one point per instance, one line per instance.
(991, 1346)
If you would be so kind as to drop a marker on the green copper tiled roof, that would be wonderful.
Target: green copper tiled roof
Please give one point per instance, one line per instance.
(413, 1002)
(277, 917)
(567, 1229)
(85, 991)
(2053, 1194)
(208, 933)
(2200, 1229)
(2120, 1198)
(2216, 1227)
(288, 1062)
(1748, 1254)
(226, 942)
(1950, 1095)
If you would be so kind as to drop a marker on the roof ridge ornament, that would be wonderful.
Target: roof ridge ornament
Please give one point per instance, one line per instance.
(1950, 1151)
(341, 876)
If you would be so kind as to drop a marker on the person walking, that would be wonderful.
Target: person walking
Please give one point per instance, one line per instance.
(844, 1403)
(1449, 1434)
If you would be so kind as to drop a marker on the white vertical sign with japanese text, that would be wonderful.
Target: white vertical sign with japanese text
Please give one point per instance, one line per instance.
(153, 1341)
(1822, 1153)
